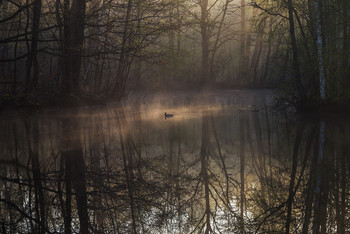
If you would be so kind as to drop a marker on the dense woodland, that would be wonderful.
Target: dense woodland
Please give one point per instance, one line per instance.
(72, 49)
(222, 162)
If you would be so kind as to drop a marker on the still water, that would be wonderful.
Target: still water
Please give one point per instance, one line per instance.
(223, 163)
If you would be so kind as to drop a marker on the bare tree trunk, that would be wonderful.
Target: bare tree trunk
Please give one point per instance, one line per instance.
(14, 86)
(319, 44)
(178, 42)
(65, 47)
(242, 60)
(33, 58)
(3, 34)
(345, 54)
(61, 64)
(216, 43)
(296, 66)
(205, 40)
(256, 54)
(74, 22)
(119, 88)
(267, 63)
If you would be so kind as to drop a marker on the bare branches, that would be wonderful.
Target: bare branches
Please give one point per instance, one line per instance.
(271, 11)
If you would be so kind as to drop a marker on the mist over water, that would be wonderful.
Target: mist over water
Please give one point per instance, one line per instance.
(223, 163)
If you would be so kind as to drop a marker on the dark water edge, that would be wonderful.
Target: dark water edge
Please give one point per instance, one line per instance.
(324, 107)
(225, 162)
(42, 100)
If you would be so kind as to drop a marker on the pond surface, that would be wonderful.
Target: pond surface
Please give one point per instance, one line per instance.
(223, 163)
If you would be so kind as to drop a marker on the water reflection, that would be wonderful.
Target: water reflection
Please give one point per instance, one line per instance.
(216, 166)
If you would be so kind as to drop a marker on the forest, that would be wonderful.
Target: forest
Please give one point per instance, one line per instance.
(174, 116)
(74, 50)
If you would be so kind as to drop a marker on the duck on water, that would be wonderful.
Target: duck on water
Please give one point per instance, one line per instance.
(168, 115)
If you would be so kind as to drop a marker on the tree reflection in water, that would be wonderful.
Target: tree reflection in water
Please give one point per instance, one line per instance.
(212, 169)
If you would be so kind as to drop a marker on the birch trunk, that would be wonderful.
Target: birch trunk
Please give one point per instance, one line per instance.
(319, 49)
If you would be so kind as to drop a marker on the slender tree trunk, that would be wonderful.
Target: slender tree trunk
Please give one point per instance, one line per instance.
(74, 22)
(178, 42)
(242, 60)
(60, 63)
(66, 47)
(296, 66)
(119, 88)
(345, 55)
(205, 40)
(267, 62)
(33, 58)
(36, 28)
(14, 86)
(319, 45)
(3, 34)
(216, 43)
(256, 55)
(302, 31)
